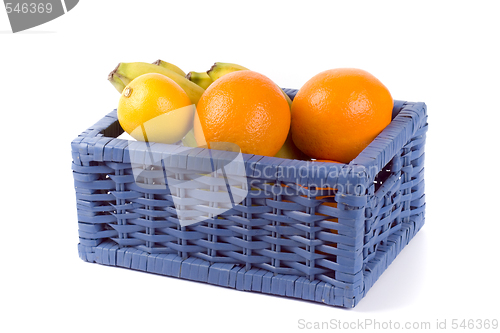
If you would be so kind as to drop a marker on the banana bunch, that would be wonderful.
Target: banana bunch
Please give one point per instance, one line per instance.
(125, 72)
(219, 69)
(194, 84)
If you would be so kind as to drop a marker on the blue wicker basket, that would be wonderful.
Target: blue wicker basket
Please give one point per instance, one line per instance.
(316, 243)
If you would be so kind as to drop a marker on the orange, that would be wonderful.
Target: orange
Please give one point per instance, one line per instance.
(338, 112)
(326, 161)
(244, 108)
(154, 108)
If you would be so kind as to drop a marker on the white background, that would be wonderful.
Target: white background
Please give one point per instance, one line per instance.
(53, 86)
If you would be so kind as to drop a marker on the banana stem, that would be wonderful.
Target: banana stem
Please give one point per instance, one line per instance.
(116, 81)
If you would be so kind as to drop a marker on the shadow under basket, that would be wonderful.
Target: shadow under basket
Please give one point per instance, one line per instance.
(321, 232)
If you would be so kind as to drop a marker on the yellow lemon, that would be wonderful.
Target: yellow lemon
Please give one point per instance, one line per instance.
(154, 108)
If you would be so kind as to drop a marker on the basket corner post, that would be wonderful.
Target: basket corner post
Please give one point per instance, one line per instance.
(353, 200)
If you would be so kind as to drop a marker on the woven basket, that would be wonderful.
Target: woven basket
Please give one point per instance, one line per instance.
(286, 235)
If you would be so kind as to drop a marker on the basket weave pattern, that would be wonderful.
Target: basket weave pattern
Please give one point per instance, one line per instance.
(312, 235)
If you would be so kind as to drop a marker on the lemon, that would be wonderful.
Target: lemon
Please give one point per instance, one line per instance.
(154, 108)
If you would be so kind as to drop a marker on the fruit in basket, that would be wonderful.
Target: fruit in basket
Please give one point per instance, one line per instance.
(288, 150)
(169, 66)
(154, 108)
(244, 108)
(126, 72)
(338, 112)
(200, 78)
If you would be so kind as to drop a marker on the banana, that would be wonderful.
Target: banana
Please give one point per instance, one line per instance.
(200, 78)
(126, 72)
(116, 82)
(170, 66)
(220, 69)
(289, 150)
(288, 100)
